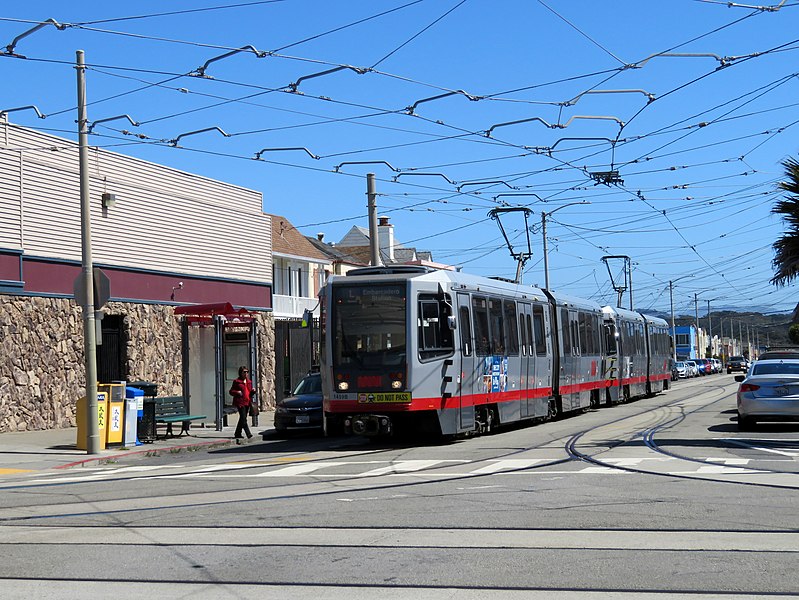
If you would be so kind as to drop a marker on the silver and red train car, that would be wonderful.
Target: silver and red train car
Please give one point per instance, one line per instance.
(444, 352)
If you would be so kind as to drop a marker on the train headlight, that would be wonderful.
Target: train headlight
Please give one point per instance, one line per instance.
(343, 386)
(396, 384)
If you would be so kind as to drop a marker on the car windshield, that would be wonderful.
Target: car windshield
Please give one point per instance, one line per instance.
(681, 365)
(312, 384)
(780, 368)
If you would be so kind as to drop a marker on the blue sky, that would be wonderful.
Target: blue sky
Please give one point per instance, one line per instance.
(691, 105)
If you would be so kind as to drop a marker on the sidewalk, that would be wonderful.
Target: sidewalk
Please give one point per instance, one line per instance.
(55, 448)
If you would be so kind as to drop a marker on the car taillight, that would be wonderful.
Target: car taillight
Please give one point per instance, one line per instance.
(748, 387)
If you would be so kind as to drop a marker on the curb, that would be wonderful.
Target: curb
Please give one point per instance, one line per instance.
(153, 449)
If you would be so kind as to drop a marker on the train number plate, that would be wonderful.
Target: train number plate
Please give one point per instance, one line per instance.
(384, 397)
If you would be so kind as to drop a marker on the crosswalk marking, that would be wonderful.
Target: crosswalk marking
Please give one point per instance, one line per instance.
(405, 466)
(303, 469)
(428, 469)
(507, 464)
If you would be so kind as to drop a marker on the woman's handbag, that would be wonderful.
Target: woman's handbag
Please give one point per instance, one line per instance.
(254, 410)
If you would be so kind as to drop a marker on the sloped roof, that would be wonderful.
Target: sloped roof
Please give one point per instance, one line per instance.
(334, 253)
(287, 240)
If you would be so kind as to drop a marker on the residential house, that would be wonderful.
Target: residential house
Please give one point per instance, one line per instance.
(298, 271)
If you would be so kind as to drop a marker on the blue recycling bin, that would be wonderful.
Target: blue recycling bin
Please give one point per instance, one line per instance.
(134, 412)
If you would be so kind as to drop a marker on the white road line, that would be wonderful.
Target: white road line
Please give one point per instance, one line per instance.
(508, 464)
(303, 469)
(405, 466)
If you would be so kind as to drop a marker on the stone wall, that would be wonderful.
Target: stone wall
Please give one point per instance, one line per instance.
(42, 371)
(41, 362)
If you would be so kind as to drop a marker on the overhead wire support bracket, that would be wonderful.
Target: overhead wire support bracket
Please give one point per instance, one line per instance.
(10, 48)
(3, 111)
(573, 101)
(410, 109)
(505, 183)
(521, 257)
(132, 122)
(200, 71)
(359, 70)
(396, 177)
(308, 152)
(487, 133)
(182, 135)
(722, 60)
(337, 168)
(496, 198)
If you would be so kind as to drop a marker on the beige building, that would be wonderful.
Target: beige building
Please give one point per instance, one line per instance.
(164, 239)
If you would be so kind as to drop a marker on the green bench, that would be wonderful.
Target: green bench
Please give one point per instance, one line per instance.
(172, 409)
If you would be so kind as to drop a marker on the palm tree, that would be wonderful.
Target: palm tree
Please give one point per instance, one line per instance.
(786, 259)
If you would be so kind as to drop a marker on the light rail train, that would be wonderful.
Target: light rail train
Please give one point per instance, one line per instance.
(407, 348)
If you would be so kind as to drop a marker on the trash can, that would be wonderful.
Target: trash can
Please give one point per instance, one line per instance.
(115, 392)
(146, 428)
(134, 408)
(148, 387)
(83, 423)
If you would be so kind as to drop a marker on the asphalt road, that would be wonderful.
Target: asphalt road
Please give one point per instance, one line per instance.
(658, 498)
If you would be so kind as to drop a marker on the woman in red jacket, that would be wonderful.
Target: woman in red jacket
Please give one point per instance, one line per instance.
(242, 392)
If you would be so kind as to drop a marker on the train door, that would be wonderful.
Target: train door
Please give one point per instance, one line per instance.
(466, 378)
(571, 357)
(539, 331)
(527, 369)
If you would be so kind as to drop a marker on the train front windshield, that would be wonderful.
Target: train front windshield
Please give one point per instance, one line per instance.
(369, 326)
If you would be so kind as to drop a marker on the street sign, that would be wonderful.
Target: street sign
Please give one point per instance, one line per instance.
(102, 288)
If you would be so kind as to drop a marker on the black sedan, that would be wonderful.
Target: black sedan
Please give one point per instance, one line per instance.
(303, 409)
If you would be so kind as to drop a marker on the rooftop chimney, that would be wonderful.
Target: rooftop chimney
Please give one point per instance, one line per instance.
(385, 234)
(320, 236)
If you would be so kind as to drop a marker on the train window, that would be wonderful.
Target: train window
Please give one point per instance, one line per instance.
(565, 326)
(511, 334)
(481, 335)
(435, 336)
(610, 338)
(523, 333)
(540, 338)
(465, 325)
(575, 338)
(497, 328)
(582, 326)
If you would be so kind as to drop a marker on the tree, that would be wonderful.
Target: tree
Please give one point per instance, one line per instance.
(786, 258)
(793, 333)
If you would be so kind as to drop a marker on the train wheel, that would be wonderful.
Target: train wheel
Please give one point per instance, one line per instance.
(553, 409)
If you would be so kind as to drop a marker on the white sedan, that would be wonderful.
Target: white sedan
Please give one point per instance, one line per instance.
(769, 392)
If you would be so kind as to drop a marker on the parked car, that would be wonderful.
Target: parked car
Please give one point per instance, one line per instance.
(303, 409)
(704, 365)
(682, 369)
(770, 392)
(737, 364)
(717, 366)
(693, 369)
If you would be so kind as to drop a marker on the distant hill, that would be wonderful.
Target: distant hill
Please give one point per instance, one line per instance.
(767, 329)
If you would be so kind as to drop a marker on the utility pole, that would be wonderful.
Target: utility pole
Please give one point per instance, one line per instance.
(89, 332)
(374, 242)
(741, 336)
(696, 323)
(709, 328)
(673, 331)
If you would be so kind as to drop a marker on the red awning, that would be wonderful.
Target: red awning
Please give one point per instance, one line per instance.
(206, 311)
